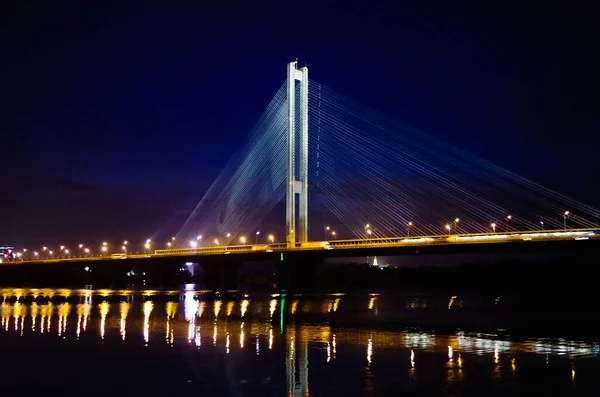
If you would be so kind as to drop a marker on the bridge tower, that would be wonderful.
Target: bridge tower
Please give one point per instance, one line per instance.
(294, 186)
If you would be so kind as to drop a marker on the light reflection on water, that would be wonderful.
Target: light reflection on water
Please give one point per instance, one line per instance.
(236, 323)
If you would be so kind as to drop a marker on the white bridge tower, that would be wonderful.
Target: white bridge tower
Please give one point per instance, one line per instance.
(294, 186)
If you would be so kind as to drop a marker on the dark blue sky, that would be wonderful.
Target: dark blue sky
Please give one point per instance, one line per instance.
(117, 116)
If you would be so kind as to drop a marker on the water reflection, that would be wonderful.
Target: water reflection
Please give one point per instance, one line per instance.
(124, 310)
(370, 348)
(148, 306)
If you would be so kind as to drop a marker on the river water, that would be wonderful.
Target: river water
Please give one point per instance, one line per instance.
(158, 343)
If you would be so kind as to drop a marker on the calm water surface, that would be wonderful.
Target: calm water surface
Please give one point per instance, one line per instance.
(100, 342)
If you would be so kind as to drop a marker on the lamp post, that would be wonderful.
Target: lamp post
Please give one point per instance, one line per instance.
(243, 240)
(493, 225)
(271, 238)
(565, 219)
(456, 220)
(193, 244)
(257, 234)
(326, 231)
(448, 227)
(408, 226)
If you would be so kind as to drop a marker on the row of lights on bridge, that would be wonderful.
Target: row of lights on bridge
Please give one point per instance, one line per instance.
(104, 248)
(64, 251)
(195, 243)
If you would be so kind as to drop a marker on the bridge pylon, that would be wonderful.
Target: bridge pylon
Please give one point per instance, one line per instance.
(297, 184)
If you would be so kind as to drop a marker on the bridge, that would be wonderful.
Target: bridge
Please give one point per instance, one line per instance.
(377, 187)
(395, 245)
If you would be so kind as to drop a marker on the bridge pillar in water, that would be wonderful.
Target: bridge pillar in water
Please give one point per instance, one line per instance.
(221, 275)
(297, 271)
(297, 184)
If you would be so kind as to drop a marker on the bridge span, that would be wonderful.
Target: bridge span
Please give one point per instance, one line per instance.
(295, 268)
(481, 242)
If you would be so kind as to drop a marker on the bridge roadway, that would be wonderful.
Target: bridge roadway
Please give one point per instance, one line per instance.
(482, 242)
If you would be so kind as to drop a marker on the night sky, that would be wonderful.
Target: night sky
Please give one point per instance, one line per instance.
(117, 116)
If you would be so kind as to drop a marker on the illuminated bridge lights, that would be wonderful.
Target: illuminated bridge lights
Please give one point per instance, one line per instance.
(393, 242)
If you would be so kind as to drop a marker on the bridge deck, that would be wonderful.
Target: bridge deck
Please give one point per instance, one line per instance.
(383, 242)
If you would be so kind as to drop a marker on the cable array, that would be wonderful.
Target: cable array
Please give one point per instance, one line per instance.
(370, 169)
(248, 188)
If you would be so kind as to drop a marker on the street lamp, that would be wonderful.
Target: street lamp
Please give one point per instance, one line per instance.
(199, 237)
(243, 240)
(168, 243)
(326, 231)
(80, 246)
(565, 218)
(493, 225)
(456, 220)
(193, 243)
(408, 228)
(124, 248)
(369, 232)
(228, 234)
(104, 250)
(216, 241)
(87, 250)
(62, 247)
(271, 238)
(542, 223)
(125, 242)
(333, 233)
(448, 228)
(257, 234)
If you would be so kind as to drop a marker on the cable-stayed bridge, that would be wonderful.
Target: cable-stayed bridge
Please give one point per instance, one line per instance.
(356, 181)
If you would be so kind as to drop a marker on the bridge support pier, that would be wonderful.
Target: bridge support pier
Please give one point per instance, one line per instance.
(221, 275)
(298, 271)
